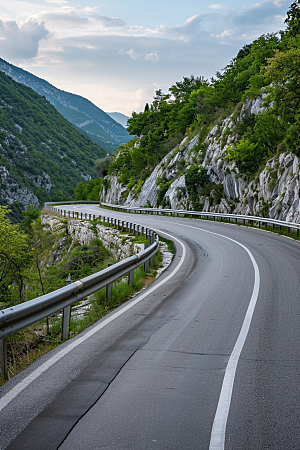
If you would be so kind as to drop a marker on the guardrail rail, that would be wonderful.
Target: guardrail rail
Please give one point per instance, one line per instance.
(237, 218)
(21, 316)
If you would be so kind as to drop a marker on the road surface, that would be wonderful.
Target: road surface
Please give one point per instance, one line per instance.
(208, 358)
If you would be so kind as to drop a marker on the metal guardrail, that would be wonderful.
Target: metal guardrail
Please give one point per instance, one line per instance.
(252, 220)
(20, 316)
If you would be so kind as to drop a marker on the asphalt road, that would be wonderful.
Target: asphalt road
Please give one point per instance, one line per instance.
(209, 359)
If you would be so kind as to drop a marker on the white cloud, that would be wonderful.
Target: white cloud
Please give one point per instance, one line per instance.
(64, 44)
(224, 34)
(133, 55)
(58, 2)
(218, 6)
(21, 42)
(152, 57)
(279, 3)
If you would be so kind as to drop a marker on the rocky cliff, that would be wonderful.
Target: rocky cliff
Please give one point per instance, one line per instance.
(273, 192)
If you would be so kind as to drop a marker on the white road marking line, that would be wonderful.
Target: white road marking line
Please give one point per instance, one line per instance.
(217, 439)
(40, 370)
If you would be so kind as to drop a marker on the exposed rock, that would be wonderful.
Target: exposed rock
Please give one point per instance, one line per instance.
(120, 245)
(274, 192)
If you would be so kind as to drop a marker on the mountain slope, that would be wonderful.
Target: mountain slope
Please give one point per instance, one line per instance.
(119, 117)
(88, 118)
(42, 156)
(231, 144)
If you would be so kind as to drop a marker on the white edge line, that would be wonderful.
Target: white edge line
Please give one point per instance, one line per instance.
(7, 398)
(217, 440)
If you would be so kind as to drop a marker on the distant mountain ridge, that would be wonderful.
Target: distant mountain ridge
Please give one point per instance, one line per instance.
(119, 117)
(87, 117)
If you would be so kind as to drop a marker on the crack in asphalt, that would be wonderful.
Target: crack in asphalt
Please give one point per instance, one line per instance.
(108, 385)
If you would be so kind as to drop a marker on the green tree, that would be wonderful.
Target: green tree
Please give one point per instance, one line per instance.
(245, 154)
(293, 19)
(283, 74)
(14, 257)
(102, 165)
(80, 193)
(195, 179)
(29, 216)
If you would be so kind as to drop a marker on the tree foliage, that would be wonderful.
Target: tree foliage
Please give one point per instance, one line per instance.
(89, 191)
(102, 165)
(14, 256)
(293, 19)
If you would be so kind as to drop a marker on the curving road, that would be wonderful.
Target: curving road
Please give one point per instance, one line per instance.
(205, 358)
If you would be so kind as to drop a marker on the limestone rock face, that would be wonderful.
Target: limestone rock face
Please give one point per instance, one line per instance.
(273, 193)
(120, 245)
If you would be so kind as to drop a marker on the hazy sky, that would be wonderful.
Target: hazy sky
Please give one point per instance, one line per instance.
(117, 53)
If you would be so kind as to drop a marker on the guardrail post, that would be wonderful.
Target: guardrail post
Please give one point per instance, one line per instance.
(66, 315)
(146, 263)
(109, 289)
(151, 237)
(297, 232)
(130, 277)
(151, 259)
(3, 360)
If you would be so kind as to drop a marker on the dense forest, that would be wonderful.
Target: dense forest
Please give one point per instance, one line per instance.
(269, 65)
(42, 156)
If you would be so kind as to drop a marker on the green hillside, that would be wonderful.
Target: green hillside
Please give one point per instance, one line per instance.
(42, 156)
(87, 117)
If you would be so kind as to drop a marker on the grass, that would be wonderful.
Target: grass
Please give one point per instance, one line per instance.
(29, 344)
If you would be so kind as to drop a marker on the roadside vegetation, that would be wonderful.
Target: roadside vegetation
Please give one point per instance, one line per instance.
(35, 260)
